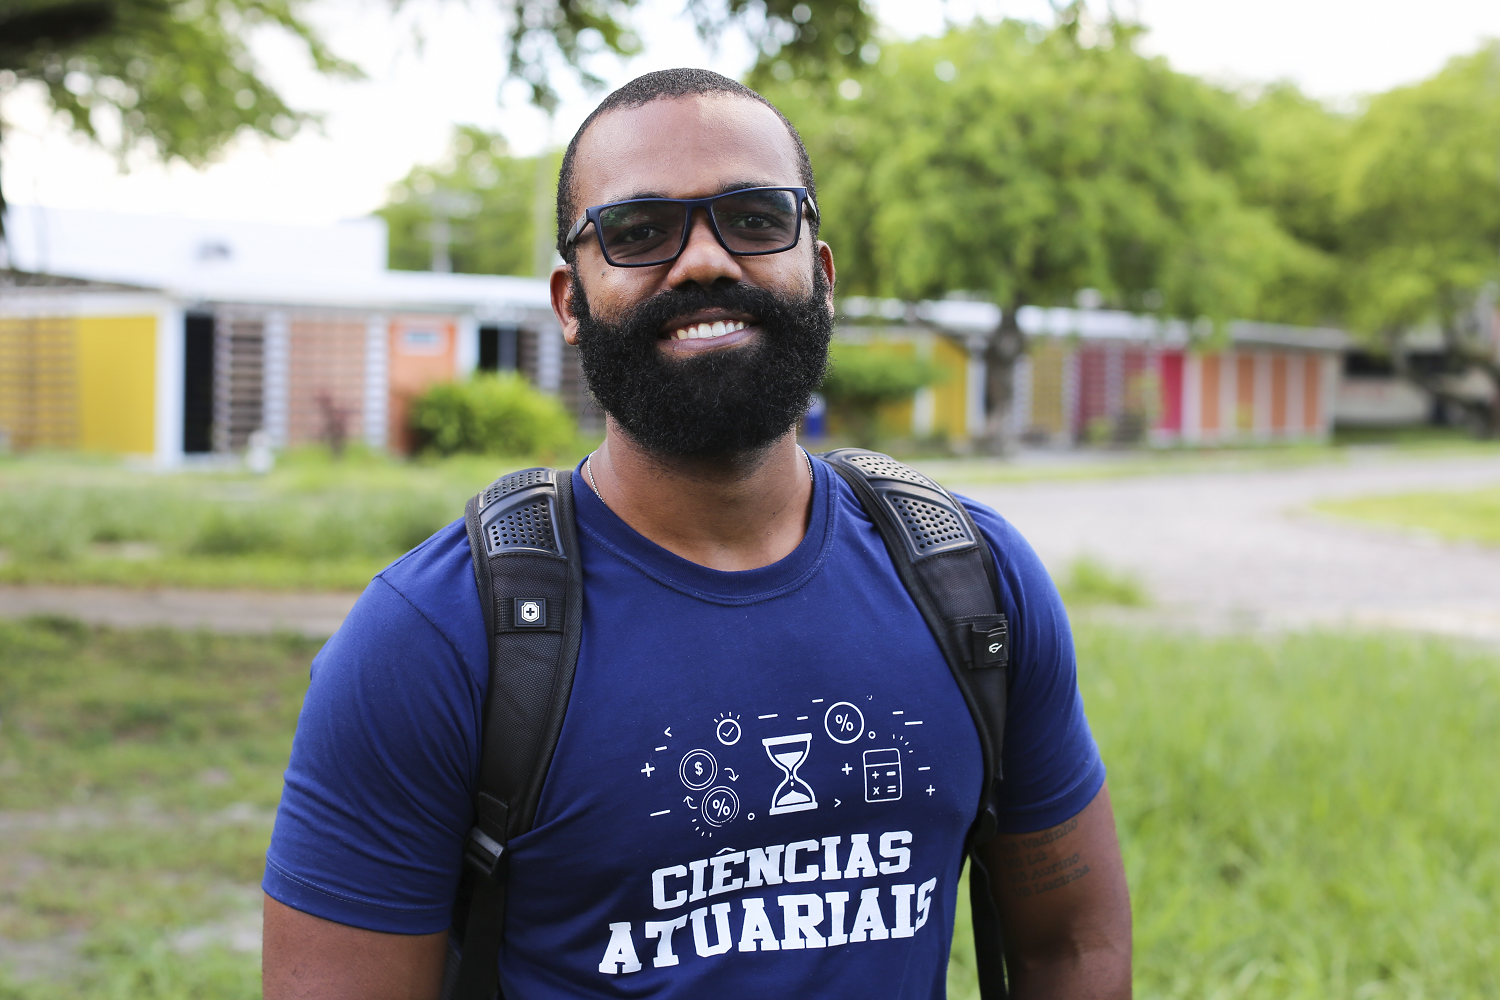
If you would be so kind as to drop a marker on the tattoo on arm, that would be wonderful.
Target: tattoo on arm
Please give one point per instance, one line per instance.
(1032, 868)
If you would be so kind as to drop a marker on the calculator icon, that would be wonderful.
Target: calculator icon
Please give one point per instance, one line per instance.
(882, 775)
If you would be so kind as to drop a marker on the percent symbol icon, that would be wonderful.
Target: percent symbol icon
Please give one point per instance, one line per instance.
(720, 806)
(843, 722)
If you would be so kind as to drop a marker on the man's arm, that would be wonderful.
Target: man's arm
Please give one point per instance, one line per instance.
(1064, 907)
(309, 958)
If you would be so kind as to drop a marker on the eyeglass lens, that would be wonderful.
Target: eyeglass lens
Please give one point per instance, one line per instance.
(650, 231)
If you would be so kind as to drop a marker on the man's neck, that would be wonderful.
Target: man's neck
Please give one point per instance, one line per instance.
(736, 513)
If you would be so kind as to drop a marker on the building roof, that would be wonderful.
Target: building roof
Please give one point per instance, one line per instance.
(968, 319)
(199, 260)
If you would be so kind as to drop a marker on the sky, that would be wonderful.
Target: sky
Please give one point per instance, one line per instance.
(434, 63)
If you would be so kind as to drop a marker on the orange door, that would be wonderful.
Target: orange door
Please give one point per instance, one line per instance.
(422, 352)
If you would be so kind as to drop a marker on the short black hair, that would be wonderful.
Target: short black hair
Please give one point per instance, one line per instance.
(666, 84)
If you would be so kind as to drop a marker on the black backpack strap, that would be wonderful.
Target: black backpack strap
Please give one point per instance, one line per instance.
(950, 573)
(525, 545)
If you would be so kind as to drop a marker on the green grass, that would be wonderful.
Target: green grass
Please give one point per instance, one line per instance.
(1419, 436)
(1469, 516)
(1302, 817)
(319, 524)
(139, 772)
(1089, 582)
(312, 524)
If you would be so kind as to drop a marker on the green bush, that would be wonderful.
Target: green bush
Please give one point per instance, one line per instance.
(861, 380)
(491, 415)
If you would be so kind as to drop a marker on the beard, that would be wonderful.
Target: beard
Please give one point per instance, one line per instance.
(714, 404)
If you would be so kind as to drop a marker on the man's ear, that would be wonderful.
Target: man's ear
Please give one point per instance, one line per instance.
(561, 286)
(825, 261)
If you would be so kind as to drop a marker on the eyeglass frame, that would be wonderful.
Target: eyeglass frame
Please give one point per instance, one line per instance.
(591, 214)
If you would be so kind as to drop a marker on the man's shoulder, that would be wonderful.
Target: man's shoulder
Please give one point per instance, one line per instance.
(429, 589)
(439, 571)
(1010, 546)
(989, 520)
(1017, 561)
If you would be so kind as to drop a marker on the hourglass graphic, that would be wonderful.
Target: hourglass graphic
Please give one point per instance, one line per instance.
(790, 753)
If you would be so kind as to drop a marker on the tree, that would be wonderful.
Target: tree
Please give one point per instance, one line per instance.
(1295, 171)
(1419, 208)
(497, 218)
(812, 39)
(175, 76)
(172, 76)
(1026, 164)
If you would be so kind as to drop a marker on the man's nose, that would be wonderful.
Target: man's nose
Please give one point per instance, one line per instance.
(704, 260)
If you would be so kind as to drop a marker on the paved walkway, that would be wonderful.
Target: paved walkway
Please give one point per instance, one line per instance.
(1221, 550)
(1245, 550)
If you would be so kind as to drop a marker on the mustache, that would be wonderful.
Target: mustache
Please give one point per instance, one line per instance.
(647, 320)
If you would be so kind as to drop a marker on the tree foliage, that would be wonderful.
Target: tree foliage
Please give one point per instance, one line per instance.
(173, 76)
(1398, 206)
(1420, 196)
(1293, 171)
(496, 231)
(811, 39)
(1023, 164)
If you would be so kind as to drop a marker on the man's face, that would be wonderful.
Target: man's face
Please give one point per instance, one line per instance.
(747, 381)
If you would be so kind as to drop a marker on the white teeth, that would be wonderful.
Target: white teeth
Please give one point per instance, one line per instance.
(708, 331)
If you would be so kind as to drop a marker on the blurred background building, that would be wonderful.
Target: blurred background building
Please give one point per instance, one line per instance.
(177, 337)
(173, 337)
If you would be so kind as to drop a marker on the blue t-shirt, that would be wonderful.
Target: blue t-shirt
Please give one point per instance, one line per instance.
(762, 786)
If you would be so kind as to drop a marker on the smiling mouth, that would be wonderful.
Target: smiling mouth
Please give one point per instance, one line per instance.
(707, 331)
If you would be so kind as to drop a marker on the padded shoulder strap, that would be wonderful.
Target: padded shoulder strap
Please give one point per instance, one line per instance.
(524, 544)
(948, 569)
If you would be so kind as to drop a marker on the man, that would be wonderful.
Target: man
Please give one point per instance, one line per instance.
(760, 718)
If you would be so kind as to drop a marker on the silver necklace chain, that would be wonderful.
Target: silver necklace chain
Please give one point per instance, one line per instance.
(588, 468)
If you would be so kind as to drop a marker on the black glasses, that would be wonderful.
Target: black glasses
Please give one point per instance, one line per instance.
(646, 231)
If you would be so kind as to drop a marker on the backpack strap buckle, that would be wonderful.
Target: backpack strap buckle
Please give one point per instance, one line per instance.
(485, 846)
(483, 852)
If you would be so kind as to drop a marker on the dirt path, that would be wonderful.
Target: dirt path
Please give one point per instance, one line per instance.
(316, 615)
(1245, 550)
(1236, 549)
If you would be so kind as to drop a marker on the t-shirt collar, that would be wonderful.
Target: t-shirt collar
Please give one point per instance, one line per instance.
(603, 526)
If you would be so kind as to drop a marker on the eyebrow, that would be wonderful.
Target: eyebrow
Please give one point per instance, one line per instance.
(726, 188)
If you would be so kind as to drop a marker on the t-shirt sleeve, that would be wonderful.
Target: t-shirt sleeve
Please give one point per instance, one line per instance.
(377, 799)
(1052, 765)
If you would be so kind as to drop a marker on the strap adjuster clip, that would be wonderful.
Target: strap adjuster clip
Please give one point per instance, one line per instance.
(483, 852)
(986, 639)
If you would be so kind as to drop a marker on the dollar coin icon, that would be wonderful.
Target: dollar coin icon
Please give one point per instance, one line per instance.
(698, 769)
